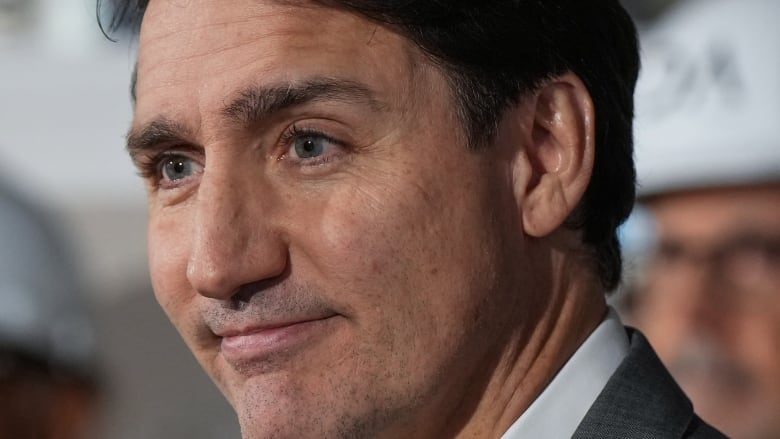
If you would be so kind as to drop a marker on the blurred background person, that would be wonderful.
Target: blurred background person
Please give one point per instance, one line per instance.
(707, 293)
(48, 366)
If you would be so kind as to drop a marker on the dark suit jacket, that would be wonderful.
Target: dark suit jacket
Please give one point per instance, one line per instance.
(641, 400)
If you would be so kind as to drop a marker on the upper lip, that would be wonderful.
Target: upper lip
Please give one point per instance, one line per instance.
(237, 330)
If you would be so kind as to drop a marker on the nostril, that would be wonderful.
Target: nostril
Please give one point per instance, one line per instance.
(238, 276)
(245, 293)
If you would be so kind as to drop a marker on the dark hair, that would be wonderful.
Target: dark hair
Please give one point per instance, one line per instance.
(495, 51)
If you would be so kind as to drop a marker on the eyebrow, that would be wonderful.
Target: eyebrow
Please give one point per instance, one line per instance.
(157, 132)
(253, 105)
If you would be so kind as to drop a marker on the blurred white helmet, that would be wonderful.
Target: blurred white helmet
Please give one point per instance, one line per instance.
(708, 97)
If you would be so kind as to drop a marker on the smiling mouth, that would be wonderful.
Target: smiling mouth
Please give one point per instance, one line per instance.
(261, 343)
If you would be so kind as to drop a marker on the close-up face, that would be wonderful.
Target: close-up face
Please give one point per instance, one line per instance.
(319, 232)
(711, 308)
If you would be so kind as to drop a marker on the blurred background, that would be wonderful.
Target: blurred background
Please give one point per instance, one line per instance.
(64, 109)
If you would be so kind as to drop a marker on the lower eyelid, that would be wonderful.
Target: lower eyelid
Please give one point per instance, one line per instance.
(317, 162)
(173, 184)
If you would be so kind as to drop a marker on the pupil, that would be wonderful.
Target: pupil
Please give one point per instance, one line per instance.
(308, 147)
(178, 167)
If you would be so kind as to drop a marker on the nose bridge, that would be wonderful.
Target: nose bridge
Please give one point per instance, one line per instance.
(232, 242)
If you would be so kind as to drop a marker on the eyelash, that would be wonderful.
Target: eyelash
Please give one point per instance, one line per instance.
(295, 132)
(150, 167)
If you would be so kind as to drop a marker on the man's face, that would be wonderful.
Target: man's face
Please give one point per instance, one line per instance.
(319, 233)
(711, 305)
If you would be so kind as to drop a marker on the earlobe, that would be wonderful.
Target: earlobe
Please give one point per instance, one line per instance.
(560, 153)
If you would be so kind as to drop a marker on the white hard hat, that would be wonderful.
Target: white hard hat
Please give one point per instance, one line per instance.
(708, 97)
(42, 312)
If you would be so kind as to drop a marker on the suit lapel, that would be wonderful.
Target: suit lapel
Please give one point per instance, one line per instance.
(641, 400)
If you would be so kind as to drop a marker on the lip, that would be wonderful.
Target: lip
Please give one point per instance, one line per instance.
(256, 343)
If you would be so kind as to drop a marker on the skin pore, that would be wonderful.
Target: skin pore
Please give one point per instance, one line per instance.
(335, 256)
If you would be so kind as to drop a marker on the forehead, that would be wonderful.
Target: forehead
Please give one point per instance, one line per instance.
(707, 215)
(205, 48)
(203, 27)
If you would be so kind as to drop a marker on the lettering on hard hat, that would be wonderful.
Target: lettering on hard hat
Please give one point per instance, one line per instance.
(675, 78)
(724, 72)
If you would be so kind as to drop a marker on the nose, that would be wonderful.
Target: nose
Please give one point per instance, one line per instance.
(235, 241)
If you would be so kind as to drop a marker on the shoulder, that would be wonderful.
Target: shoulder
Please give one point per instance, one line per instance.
(642, 400)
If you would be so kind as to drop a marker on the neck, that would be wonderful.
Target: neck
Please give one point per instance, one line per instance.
(566, 317)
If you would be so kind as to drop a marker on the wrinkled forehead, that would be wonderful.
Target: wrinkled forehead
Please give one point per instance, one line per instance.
(209, 48)
(712, 214)
(177, 29)
(173, 15)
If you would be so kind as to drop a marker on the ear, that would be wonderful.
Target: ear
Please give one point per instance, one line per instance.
(558, 154)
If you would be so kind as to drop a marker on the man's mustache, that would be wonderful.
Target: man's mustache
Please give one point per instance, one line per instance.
(266, 304)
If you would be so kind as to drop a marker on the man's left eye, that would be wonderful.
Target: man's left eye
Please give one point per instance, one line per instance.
(311, 146)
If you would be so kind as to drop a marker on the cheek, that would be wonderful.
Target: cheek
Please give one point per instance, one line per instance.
(658, 315)
(168, 253)
(401, 249)
(758, 343)
(383, 234)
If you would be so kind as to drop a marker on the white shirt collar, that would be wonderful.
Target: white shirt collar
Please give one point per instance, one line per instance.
(564, 402)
